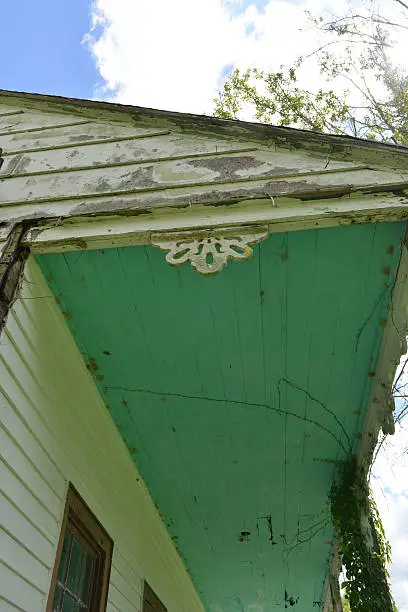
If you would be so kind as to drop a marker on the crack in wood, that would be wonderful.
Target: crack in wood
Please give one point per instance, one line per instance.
(12, 260)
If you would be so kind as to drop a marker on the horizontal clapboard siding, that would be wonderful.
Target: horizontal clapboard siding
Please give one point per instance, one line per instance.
(27, 121)
(61, 164)
(79, 133)
(171, 174)
(128, 150)
(55, 429)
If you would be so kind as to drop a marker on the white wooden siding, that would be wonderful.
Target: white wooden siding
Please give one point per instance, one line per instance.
(55, 429)
(61, 164)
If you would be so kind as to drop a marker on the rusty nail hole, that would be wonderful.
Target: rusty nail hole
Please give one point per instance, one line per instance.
(244, 536)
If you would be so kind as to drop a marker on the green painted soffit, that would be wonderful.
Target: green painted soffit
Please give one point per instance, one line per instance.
(237, 394)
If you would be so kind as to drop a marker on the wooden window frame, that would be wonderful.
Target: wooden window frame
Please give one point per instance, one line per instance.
(82, 522)
(151, 603)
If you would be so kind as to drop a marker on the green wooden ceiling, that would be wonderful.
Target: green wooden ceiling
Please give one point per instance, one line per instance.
(237, 394)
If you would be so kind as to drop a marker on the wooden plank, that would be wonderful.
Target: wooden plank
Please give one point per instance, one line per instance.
(13, 128)
(76, 135)
(21, 594)
(27, 440)
(17, 524)
(21, 464)
(112, 152)
(131, 590)
(120, 602)
(23, 498)
(288, 214)
(162, 147)
(24, 562)
(8, 606)
(214, 173)
(27, 121)
(7, 111)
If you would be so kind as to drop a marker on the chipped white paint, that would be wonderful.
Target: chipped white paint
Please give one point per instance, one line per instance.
(279, 215)
(25, 122)
(381, 407)
(127, 160)
(167, 175)
(209, 251)
(116, 151)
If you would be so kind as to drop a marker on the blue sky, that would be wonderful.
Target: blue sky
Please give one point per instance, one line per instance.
(41, 47)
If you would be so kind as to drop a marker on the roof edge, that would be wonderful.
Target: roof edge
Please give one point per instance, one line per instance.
(116, 111)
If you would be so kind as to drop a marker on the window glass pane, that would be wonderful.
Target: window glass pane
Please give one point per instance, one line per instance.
(79, 581)
(57, 599)
(62, 568)
(74, 565)
(86, 576)
(68, 604)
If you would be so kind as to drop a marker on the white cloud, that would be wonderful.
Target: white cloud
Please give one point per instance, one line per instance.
(171, 55)
(391, 491)
(390, 486)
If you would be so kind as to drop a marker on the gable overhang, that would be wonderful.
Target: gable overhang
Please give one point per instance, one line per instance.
(371, 188)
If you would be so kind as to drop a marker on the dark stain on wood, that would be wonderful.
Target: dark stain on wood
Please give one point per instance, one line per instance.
(268, 519)
(12, 262)
(292, 601)
(227, 167)
(244, 537)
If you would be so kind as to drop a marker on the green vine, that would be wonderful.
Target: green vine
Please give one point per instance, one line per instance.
(364, 549)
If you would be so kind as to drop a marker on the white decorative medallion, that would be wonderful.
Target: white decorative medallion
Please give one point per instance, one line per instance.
(209, 250)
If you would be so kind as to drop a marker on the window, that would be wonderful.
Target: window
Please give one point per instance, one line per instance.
(151, 603)
(81, 574)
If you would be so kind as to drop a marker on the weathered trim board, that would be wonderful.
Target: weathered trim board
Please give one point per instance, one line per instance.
(12, 260)
(276, 215)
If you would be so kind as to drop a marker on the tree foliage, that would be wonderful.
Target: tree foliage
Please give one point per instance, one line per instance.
(276, 98)
(362, 542)
(346, 605)
(365, 93)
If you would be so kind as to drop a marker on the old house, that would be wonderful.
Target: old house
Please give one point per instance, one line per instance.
(200, 319)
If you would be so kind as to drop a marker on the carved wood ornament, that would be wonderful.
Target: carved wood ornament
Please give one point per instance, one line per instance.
(209, 250)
